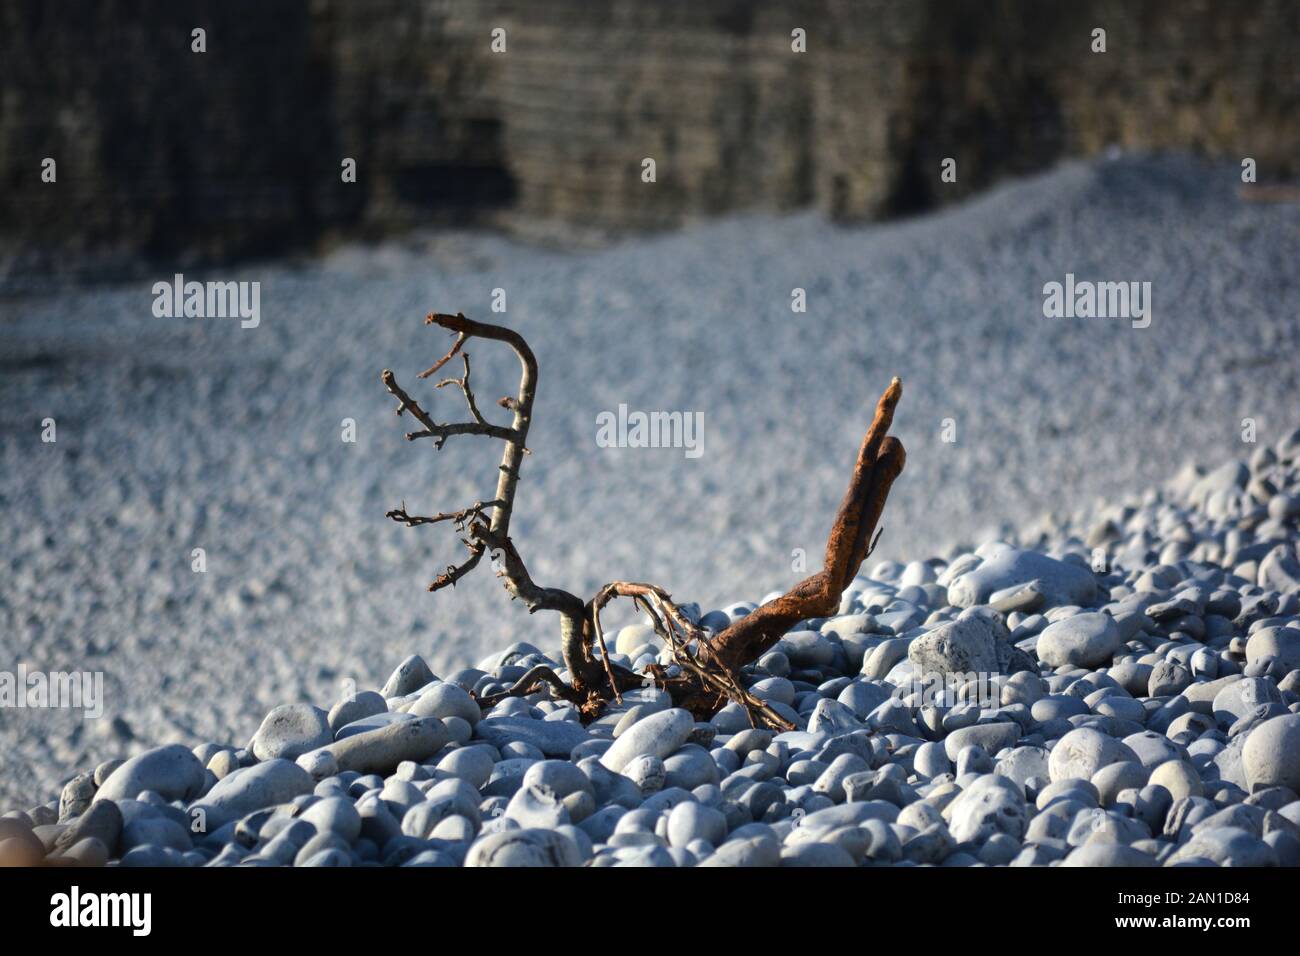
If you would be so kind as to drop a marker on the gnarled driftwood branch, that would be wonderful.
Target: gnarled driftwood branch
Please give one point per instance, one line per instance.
(705, 671)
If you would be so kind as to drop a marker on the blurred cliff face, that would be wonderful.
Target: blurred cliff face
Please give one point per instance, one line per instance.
(209, 130)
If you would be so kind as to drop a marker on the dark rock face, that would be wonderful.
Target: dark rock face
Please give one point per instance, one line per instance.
(170, 154)
(173, 154)
(161, 150)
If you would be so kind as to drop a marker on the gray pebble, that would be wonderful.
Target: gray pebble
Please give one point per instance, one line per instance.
(1271, 755)
(409, 676)
(690, 821)
(291, 730)
(553, 738)
(379, 751)
(533, 848)
(446, 700)
(334, 815)
(171, 771)
(367, 703)
(658, 734)
(1089, 639)
(249, 789)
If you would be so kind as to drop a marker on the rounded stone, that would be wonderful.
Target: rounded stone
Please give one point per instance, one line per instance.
(1084, 751)
(1225, 846)
(658, 735)
(172, 772)
(632, 637)
(559, 776)
(290, 730)
(689, 768)
(1152, 749)
(320, 763)
(223, 764)
(1108, 854)
(537, 806)
(690, 821)
(1024, 764)
(455, 828)
(647, 772)
(1088, 640)
(991, 737)
(1167, 678)
(1062, 582)
(365, 704)
(408, 677)
(381, 750)
(1282, 643)
(1242, 697)
(252, 788)
(554, 738)
(931, 760)
(991, 804)
(1118, 776)
(446, 700)
(776, 689)
(334, 815)
(1271, 756)
(527, 848)
(155, 831)
(471, 764)
(964, 646)
(101, 821)
(758, 851)
(1178, 777)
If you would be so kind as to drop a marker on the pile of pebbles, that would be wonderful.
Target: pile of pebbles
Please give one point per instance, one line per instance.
(1121, 688)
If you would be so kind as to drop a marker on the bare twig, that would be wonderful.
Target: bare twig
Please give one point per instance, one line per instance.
(460, 340)
(532, 682)
(440, 433)
(455, 572)
(604, 654)
(459, 518)
(468, 392)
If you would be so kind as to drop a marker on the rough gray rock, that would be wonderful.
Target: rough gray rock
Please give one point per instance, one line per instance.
(958, 647)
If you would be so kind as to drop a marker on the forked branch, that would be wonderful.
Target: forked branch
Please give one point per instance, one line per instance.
(852, 538)
(492, 537)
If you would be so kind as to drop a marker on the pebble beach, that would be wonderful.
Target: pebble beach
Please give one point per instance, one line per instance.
(1099, 573)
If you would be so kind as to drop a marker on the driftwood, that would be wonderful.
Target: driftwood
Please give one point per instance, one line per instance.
(705, 671)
